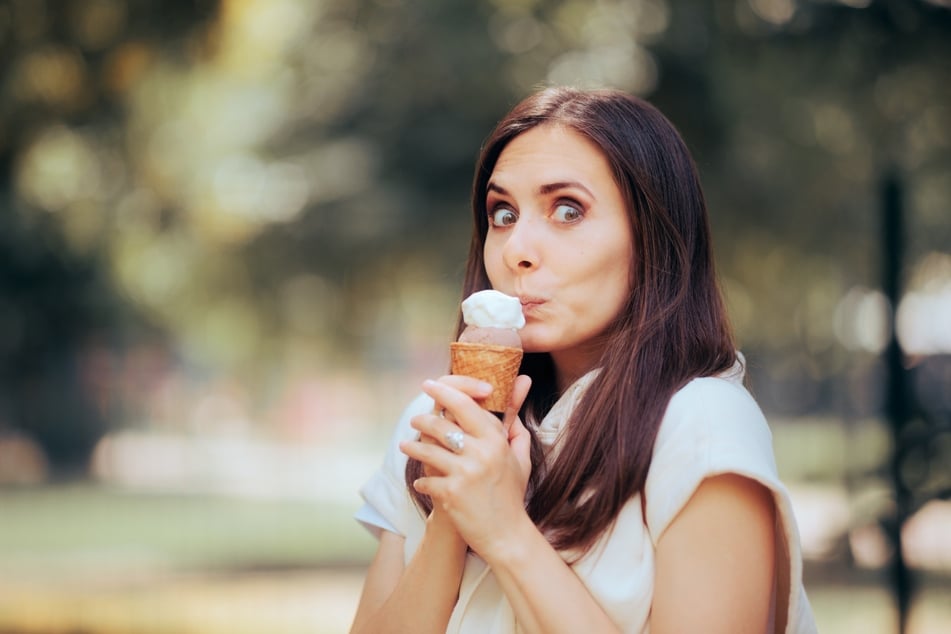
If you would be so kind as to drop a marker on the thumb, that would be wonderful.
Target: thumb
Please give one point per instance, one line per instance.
(519, 438)
(523, 383)
(520, 442)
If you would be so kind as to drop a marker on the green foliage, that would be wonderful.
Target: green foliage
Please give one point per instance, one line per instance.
(270, 181)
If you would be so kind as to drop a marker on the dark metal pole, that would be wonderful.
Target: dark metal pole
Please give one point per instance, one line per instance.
(896, 400)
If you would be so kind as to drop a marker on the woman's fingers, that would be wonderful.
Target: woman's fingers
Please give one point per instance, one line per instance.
(523, 384)
(475, 468)
(433, 487)
(459, 429)
(460, 406)
(429, 440)
(521, 443)
(430, 454)
(439, 430)
(473, 387)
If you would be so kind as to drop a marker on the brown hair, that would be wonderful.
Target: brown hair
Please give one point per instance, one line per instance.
(672, 328)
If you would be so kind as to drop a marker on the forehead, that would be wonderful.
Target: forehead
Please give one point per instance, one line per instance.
(551, 153)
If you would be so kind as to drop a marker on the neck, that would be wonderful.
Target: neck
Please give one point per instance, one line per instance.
(571, 365)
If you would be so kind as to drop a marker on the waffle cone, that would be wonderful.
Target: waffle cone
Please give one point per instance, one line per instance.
(497, 365)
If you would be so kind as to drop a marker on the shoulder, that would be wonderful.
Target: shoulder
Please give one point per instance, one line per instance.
(724, 395)
(712, 426)
(714, 410)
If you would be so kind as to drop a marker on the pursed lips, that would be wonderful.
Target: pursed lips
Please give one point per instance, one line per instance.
(530, 303)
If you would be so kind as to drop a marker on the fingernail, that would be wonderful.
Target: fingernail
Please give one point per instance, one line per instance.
(485, 388)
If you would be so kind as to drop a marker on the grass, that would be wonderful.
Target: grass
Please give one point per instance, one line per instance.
(79, 528)
(94, 560)
(98, 560)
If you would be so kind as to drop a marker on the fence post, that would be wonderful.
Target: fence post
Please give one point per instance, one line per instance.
(896, 391)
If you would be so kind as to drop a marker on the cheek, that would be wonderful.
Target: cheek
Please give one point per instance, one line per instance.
(614, 280)
(492, 263)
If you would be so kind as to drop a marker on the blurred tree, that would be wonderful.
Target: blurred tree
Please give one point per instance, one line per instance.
(795, 110)
(63, 66)
(280, 182)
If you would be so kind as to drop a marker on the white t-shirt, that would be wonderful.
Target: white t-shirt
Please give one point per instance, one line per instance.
(711, 426)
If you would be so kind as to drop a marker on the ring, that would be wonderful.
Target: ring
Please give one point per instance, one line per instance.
(456, 440)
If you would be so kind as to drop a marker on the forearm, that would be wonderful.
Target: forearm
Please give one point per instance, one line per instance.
(423, 598)
(546, 594)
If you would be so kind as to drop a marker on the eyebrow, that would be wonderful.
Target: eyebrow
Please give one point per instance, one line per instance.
(545, 189)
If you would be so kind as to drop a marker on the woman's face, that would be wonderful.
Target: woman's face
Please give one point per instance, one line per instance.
(559, 239)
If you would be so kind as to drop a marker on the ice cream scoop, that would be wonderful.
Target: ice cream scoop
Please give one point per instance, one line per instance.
(492, 309)
(490, 348)
(498, 336)
(492, 317)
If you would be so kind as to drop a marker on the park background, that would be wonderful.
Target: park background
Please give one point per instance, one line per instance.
(231, 239)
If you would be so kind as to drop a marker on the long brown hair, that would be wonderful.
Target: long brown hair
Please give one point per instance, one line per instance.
(673, 327)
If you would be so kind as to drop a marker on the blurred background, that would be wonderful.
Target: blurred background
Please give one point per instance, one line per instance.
(232, 234)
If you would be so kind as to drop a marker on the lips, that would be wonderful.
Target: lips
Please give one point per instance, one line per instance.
(530, 303)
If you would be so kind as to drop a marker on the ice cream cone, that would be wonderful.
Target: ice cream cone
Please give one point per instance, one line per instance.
(497, 365)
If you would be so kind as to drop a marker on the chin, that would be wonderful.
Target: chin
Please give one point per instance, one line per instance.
(535, 345)
(530, 345)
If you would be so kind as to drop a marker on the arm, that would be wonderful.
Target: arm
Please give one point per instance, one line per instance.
(716, 560)
(545, 593)
(418, 597)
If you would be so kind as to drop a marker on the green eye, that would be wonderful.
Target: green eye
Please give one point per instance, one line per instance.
(502, 217)
(567, 213)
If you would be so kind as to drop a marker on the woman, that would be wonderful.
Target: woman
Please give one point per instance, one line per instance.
(630, 486)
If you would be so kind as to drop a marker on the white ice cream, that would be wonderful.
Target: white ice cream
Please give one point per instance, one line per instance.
(492, 309)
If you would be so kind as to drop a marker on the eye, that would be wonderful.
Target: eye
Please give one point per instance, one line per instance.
(567, 212)
(502, 217)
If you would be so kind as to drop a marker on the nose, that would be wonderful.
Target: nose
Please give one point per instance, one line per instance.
(521, 252)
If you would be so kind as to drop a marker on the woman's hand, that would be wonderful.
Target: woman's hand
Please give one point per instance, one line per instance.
(481, 487)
